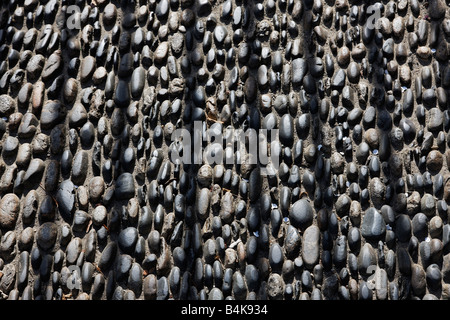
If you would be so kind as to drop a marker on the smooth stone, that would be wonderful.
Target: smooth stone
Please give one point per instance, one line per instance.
(122, 94)
(418, 280)
(404, 261)
(423, 53)
(53, 112)
(108, 256)
(24, 95)
(434, 161)
(303, 125)
(437, 9)
(80, 163)
(419, 226)
(109, 14)
(28, 126)
(126, 66)
(409, 130)
(77, 115)
(435, 119)
(354, 239)
(135, 279)
(353, 72)
(162, 9)
(30, 206)
(127, 240)
(343, 57)
(73, 250)
(398, 27)
(276, 257)
(301, 214)
(10, 146)
(125, 186)
(34, 171)
(53, 66)
(250, 89)
(99, 215)
(255, 185)
(65, 197)
(433, 277)
(47, 235)
(87, 134)
(35, 66)
(220, 33)
(137, 82)
(80, 219)
(203, 203)
(366, 259)
(286, 130)
(310, 246)
(99, 75)
(321, 33)
(299, 70)
(117, 121)
(129, 20)
(338, 80)
(87, 69)
(373, 226)
(403, 228)
(435, 227)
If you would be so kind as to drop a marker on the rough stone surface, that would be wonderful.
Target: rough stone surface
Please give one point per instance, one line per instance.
(131, 148)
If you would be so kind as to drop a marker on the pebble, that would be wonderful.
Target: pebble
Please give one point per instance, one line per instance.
(47, 235)
(366, 259)
(310, 247)
(65, 197)
(109, 14)
(125, 186)
(52, 113)
(437, 9)
(301, 214)
(35, 66)
(373, 226)
(338, 81)
(127, 239)
(418, 280)
(52, 66)
(299, 70)
(80, 163)
(34, 172)
(108, 255)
